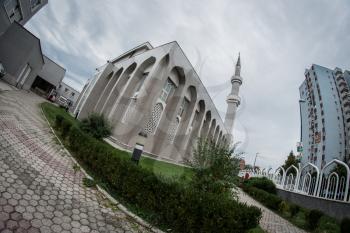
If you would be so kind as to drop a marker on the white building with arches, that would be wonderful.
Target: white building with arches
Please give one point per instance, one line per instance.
(155, 90)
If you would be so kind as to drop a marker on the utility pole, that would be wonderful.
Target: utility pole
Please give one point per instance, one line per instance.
(256, 155)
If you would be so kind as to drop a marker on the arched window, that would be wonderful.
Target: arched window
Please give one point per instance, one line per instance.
(154, 118)
(167, 90)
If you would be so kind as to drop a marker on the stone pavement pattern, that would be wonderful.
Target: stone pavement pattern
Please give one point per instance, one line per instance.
(270, 221)
(39, 190)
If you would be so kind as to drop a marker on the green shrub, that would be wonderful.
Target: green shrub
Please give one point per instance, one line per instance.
(66, 125)
(313, 218)
(182, 208)
(293, 209)
(345, 225)
(262, 183)
(283, 207)
(96, 125)
(269, 200)
(327, 225)
(58, 121)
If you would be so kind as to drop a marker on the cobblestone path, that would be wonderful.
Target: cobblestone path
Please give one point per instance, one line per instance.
(270, 221)
(39, 190)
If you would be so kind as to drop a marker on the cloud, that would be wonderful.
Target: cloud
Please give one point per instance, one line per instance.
(277, 41)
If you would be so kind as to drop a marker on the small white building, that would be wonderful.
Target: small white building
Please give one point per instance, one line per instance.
(67, 92)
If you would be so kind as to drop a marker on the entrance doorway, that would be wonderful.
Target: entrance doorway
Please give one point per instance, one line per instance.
(42, 87)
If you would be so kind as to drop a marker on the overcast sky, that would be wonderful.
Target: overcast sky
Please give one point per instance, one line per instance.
(277, 41)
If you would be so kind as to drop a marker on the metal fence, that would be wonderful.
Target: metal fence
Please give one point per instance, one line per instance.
(332, 182)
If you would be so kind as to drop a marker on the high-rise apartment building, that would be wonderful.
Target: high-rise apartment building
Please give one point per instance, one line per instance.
(325, 115)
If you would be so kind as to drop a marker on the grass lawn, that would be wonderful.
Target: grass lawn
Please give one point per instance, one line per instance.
(161, 168)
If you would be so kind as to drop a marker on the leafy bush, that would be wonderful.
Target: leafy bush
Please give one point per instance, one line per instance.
(262, 183)
(345, 225)
(182, 208)
(327, 225)
(313, 218)
(66, 125)
(269, 200)
(215, 167)
(58, 121)
(96, 125)
(283, 207)
(293, 209)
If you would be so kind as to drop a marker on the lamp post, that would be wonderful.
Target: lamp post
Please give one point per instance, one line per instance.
(256, 155)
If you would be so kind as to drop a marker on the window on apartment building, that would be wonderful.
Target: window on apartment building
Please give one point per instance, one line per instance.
(66, 90)
(324, 138)
(73, 94)
(34, 3)
(13, 10)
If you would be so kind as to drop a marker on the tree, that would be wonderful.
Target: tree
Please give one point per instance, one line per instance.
(216, 167)
(291, 160)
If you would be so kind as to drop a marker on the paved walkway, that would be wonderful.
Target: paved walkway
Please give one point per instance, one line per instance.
(39, 190)
(270, 221)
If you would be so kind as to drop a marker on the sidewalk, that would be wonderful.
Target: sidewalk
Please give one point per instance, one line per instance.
(39, 189)
(270, 221)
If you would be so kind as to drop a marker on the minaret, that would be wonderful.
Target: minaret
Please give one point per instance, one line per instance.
(233, 99)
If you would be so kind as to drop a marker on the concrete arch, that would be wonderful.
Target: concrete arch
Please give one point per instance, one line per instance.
(210, 135)
(172, 104)
(97, 85)
(111, 101)
(130, 94)
(216, 134)
(188, 112)
(103, 97)
(196, 126)
(147, 99)
(206, 124)
(219, 142)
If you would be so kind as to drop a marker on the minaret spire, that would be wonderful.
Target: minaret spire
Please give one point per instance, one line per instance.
(233, 100)
(238, 66)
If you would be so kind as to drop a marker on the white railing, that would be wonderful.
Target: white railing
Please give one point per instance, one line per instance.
(331, 183)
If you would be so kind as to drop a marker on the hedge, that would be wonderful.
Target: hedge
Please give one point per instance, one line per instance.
(271, 201)
(261, 183)
(183, 209)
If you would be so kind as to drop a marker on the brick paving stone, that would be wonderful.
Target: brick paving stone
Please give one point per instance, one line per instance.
(39, 190)
(270, 221)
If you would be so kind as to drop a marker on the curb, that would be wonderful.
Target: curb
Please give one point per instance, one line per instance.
(104, 192)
